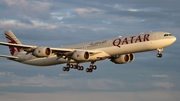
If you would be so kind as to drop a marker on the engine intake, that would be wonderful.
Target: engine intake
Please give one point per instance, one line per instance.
(122, 59)
(42, 52)
(131, 57)
(80, 56)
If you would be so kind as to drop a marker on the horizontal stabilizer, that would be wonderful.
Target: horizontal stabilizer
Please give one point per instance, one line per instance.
(8, 57)
(17, 45)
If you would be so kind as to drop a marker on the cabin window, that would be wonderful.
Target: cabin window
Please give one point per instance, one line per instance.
(167, 35)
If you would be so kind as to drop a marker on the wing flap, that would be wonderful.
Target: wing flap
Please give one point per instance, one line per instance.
(73, 50)
(62, 50)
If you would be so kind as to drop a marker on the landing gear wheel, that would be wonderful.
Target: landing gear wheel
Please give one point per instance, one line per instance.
(74, 66)
(80, 68)
(89, 70)
(159, 55)
(71, 65)
(65, 69)
(94, 67)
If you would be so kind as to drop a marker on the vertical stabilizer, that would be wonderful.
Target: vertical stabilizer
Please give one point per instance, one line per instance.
(11, 38)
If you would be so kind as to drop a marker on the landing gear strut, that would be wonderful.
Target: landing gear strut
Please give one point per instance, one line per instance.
(159, 55)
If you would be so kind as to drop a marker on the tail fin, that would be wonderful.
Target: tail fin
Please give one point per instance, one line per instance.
(11, 38)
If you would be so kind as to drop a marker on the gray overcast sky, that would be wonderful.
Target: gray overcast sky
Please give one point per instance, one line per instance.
(64, 22)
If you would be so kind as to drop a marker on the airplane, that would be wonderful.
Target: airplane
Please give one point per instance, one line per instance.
(119, 50)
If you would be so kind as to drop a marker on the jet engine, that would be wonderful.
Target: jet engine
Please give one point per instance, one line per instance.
(42, 52)
(80, 56)
(122, 59)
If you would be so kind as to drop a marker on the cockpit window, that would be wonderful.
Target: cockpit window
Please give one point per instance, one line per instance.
(167, 35)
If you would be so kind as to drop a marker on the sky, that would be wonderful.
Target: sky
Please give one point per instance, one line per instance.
(58, 23)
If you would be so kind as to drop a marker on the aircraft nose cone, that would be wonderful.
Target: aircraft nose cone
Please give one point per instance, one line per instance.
(171, 40)
(174, 39)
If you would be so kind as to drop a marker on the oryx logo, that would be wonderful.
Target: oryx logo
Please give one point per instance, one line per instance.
(11, 48)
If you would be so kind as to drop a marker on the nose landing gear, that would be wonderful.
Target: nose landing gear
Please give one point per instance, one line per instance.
(159, 55)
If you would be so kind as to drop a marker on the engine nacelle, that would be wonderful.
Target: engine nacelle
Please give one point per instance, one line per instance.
(122, 59)
(80, 56)
(42, 52)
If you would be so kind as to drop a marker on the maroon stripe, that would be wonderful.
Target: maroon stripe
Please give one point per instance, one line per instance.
(11, 39)
(11, 48)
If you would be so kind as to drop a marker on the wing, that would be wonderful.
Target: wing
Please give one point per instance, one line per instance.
(31, 48)
(57, 51)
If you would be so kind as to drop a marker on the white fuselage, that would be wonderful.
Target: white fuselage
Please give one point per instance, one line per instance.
(109, 48)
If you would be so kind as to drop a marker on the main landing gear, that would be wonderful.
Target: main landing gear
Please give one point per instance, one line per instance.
(91, 68)
(71, 66)
(80, 68)
(159, 55)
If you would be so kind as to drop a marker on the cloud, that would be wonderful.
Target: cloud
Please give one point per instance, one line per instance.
(37, 9)
(75, 83)
(35, 81)
(6, 74)
(89, 12)
(17, 25)
(53, 82)
(89, 96)
(160, 76)
(104, 84)
(166, 85)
